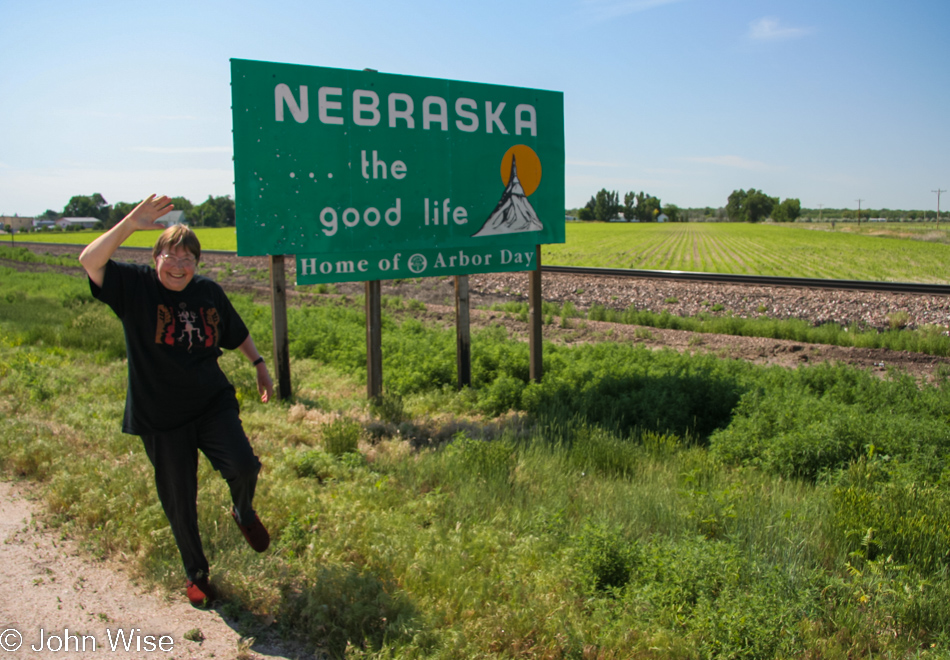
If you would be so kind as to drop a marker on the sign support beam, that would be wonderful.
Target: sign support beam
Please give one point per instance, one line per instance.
(374, 340)
(463, 335)
(535, 318)
(278, 310)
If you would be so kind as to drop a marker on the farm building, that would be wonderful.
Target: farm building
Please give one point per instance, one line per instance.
(15, 222)
(82, 223)
(172, 218)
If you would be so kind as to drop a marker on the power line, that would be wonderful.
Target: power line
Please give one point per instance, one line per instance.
(938, 191)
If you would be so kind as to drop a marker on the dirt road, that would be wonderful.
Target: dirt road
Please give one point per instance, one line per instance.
(57, 602)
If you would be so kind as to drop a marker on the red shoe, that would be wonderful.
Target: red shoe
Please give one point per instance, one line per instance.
(200, 592)
(255, 533)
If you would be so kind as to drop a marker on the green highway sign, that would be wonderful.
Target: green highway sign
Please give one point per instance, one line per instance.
(332, 163)
(405, 264)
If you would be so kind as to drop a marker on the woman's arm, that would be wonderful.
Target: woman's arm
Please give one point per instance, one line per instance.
(265, 386)
(97, 254)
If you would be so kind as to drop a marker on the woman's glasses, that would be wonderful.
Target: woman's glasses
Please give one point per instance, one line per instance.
(184, 262)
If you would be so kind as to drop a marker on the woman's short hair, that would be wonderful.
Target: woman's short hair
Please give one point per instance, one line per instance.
(177, 235)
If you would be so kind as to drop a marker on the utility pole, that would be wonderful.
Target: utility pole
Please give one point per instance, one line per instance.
(938, 191)
(859, 211)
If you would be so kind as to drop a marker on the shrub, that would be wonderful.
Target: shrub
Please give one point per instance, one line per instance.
(341, 436)
(897, 320)
(593, 449)
(389, 408)
(314, 464)
(605, 557)
(881, 510)
(488, 460)
(626, 388)
(502, 395)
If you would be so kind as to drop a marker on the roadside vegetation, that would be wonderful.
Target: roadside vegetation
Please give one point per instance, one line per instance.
(633, 504)
(930, 339)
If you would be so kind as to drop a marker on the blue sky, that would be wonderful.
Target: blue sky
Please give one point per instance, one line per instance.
(828, 101)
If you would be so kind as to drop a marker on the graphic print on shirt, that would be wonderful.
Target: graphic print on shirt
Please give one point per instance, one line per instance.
(187, 328)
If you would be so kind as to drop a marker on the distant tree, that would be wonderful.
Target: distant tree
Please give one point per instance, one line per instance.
(119, 210)
(759, 205)
(587, 213)
(213, 212)
(182, 204)
(672, 212)
(735, 207)
(606, 205)
(751, 206)
(50, 214)
(87, 206)
(788, 211)
(648, 207)
(629, 206)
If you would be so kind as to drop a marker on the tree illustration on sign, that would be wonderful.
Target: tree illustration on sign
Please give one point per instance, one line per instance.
(521, 173)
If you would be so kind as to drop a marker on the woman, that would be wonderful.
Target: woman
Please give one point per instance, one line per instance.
(178, 399)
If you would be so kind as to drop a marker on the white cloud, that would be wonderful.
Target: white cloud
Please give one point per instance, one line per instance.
(602, 10)
(183, 150)
(737, 162)
(770, 29)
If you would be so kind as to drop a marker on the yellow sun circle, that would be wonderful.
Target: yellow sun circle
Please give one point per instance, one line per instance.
(527, 164)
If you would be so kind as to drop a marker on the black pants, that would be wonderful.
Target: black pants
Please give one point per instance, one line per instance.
(174, 456)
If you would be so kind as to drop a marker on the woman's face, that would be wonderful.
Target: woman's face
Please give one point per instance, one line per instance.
(176, 268)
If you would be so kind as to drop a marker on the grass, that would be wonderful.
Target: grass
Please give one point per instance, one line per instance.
(763, 249)
(633, 504)
(216, 238)
(928, 339)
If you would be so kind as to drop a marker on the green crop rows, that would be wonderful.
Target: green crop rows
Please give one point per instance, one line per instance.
(751, 250)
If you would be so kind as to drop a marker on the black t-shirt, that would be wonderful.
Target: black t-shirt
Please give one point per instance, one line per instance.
(173, 340)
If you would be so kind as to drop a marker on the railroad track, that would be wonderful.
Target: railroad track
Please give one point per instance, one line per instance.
(758, 280)
(914, 288)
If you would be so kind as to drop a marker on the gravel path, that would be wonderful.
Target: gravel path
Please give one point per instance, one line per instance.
(48, 587)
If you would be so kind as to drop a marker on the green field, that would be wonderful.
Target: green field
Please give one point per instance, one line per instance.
(896, 253)
(745, 249)
(218, 238)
